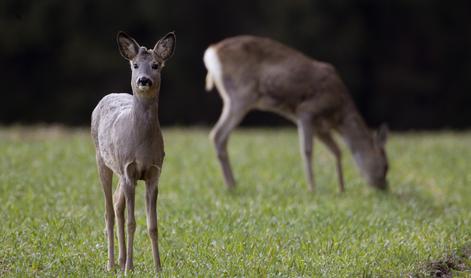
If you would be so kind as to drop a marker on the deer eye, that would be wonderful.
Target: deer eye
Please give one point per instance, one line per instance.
(135, 66)
(155, 66)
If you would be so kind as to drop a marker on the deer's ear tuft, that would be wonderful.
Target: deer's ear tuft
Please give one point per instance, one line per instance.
(128, 47)
(165, 47)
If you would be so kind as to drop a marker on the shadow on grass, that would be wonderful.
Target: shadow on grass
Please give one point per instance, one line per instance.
(411, 196)
(276, 194)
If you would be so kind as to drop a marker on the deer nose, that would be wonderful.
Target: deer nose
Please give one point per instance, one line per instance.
(144, 81)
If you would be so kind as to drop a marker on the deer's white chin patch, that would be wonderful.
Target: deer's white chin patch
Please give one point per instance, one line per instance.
(143, 88)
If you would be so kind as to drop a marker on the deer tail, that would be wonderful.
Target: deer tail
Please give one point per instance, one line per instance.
(209, 82)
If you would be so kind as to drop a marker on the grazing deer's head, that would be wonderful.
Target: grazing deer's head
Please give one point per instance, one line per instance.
(146, 64)
(374, 166)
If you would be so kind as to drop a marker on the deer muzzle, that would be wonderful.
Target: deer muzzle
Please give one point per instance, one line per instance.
(144, 83)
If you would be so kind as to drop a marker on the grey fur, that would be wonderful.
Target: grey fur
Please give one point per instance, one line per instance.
(128, 141)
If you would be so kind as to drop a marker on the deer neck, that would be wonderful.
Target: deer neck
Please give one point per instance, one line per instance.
(356, 135)
(145, 111)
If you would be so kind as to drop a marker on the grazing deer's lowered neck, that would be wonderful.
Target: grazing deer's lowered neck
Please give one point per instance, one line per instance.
(367, 148)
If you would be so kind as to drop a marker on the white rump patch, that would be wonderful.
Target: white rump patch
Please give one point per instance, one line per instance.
(212, 63)
(214, 67)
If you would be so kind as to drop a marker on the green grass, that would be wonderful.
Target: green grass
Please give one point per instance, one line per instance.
(52, 208)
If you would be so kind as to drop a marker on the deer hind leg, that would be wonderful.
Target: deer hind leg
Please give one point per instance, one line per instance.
(106, 178)
(120, 204)
(327, 139)
(232, 114)
(305, 131)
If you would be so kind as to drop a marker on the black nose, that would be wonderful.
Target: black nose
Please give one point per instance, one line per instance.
(144, 81)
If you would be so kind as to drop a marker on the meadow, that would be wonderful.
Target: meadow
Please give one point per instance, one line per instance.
(52, 208)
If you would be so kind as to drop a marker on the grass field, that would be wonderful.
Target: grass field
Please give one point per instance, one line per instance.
(52, 208)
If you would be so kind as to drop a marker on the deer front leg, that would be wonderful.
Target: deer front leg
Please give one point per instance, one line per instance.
(129, 194)
(327, 139)
(129, 187)
(120, 204)
(305, 132)
(106, 176)
(151, 207)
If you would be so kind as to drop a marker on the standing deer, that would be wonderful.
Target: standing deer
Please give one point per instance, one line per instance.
(128, 141)
(259, 73)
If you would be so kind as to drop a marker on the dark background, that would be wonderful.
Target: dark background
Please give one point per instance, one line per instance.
(406, 62)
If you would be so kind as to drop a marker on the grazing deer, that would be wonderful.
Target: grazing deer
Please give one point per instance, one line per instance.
(128, 141)
(259, 73)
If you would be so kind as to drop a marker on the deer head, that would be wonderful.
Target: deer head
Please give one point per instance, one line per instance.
(374, 165)
(146, 64)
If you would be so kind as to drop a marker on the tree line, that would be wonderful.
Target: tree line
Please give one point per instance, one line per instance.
(406, 62)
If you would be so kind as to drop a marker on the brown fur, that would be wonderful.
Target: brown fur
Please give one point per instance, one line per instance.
(260, 73)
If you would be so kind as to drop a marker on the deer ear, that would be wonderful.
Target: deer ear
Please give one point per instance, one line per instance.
(128, 47)
(165, 47)
(382, 134)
